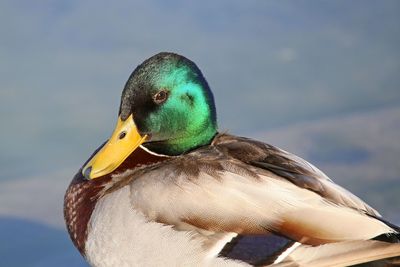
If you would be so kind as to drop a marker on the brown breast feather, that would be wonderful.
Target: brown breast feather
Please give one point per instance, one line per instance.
(82, 195)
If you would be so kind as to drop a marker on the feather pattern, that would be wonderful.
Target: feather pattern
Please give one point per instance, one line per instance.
(214, 190)
(240, 187)
(291, 167)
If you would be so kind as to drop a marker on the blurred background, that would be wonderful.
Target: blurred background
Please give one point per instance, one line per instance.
(317, 78)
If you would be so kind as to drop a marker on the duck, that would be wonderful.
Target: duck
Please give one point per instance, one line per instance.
(169, 189)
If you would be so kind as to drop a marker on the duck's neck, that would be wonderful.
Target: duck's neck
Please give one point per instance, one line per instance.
(82, 195)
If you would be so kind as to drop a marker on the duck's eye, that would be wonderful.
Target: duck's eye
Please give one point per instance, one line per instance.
(160, 97)
(122, 135)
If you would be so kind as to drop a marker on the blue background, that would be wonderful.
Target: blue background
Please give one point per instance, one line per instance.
(317, 78)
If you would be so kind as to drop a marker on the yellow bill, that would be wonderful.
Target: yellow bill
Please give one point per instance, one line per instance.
(124, 140)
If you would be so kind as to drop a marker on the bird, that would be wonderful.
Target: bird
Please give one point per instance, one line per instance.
(169, 189)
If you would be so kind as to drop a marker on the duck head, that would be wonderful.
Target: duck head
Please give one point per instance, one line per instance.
(166, 106)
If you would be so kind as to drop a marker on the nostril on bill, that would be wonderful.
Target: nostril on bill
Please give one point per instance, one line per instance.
(122, 135)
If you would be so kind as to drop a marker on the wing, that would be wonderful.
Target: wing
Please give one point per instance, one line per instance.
(290, 167)
(238, 187)
(213, 192)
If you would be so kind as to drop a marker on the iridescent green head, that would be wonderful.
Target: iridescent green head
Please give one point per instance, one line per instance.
(171, 103)
(166, 106)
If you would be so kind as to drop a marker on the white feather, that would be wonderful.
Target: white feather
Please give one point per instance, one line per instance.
(121, 236)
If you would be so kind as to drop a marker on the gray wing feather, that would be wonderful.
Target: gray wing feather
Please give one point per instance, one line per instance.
(290, 167)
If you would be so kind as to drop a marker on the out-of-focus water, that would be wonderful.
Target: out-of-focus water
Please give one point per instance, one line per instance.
(270, 64)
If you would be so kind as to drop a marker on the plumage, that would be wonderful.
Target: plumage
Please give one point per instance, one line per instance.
(186, 195)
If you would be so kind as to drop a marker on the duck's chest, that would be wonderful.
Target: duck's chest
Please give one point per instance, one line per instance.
(118, 235)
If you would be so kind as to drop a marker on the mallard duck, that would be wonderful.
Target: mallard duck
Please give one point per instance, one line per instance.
(168, 189)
